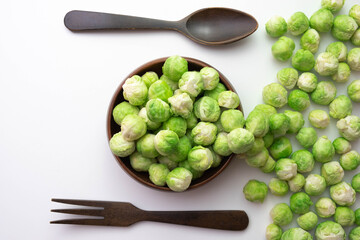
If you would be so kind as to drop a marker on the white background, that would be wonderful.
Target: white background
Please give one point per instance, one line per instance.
(55, 87)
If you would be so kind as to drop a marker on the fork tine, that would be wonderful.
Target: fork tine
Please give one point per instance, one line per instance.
(81, 202)
(86, 212)
(85, 221)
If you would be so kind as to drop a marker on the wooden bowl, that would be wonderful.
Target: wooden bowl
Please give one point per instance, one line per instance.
(112, 127)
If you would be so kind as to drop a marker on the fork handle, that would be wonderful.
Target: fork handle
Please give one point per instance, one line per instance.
(225, 220)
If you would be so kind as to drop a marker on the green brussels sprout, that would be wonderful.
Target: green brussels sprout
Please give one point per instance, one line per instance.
(323, 150)
(188, 135)
(332, 172)
(357, 216)
(329, 229)
(298, 23)
(319, 119)
(133, 127)
(179, 179)
(326, 64)
(269, 165)
(121, 147)
(207, 109)
(174, 67)
(343, 194)
(192, 121)
(158, 173)
(221, 145)
(195, 174)
(285, 169)
(200, 158)
(168, 162)
(300, 203)
(324, 93)
(257, 123)
(307, 82)
(181, 105)
(214, 93)
(166, 142)
(344, 27)
(296, 233)
(355, 183)
(281, 148)
(298, 100)
(273, 232)
(268, 110)
(355, 13)
(258, 160)
(145, 145)
(325, 207)
(172, 84)
(150, 125)
(307, 221)
(228, 99)
(275, 95)
(315, 185)
(340, 107)
(355, 39)
(353, 90)
(343, 73)
(303, 60)
(354, 234)
(192, 83)
(123, 109)
(353, 59)
(204, 133)
(296, 121)
(256, 148)
(135, 91)
(304, 160)
(307, 136)
(338, 49)
(310, 40)
(149, 78)
(160, 89)
(276, 26)
(350, 160)
(231, 119)
(322, 20)
(283, 48)
(278, 187)
(240, 140)
(268, 139)
(279, 124)
(176, 124)
(287, 77)
(281, 214)
(349, 127)
(216, 158)
(341, 145)
(296, 183)
(344, 216)
(255, 191)
(332, 5)
(140, 163)
(181, 151)
(210, 77)
(157, 110)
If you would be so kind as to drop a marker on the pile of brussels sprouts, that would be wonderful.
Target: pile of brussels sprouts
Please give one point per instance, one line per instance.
(272, 150)
(179, 125)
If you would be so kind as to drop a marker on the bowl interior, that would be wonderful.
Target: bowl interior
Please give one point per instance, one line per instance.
(112, 127)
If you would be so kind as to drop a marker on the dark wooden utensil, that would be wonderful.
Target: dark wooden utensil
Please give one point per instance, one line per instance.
(208, 26)
(124, 214)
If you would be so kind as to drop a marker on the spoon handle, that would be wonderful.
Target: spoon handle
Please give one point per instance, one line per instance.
(84, 20)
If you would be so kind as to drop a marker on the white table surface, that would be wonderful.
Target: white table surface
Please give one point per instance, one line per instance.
(55, 87)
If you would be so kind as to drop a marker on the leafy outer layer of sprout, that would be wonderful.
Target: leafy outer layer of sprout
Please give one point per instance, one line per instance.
(255, 191)
(349, 127)
(267, 109)
(329, 229)
(191, 82)
(160, 89)
(179, 179)
(228, 99)
(281, 148)
(310, 40)
(323, 150)
(273, 232)
(146, 146)
(307, 136)
(149, 78)
(256, 148)
(332, 5)
(353, 90)
(210, 77)
(298, 23)
(122, 109)
(157, 110)
(176, 124)
(332, 172)
(275, 95)
(172, 84)
(326, 64)
(204, 133)
(192, 120)
(181, 151)
(304, 160)
(240, 140)
(268, 139)
(207, 109)
(181, 105)
(353, 59)
(257, 123)
(167, 162)
(269, 165)
(214, 93)
(315, 185)
(120, 147)
(338, 49)
(354, 233)
(307, 82)
(319, 119)
(303, 60)
(279, 124)
(344, 216)
(278, 187)
(300, 203)
(133, 127)
(343, 73)
(343, 194)
(276, 26)
(340, 107)
(322, 20)
(286, 169)
(166, 142)
(200, 158)
(135, 91)
(296, 121)
(221, 145)
(298, 100)
(350, 160)
(150, 125)
(325, 207)
(283, 48)
(195, 174)
(216, 158)
(296, 233)
(140, 163)
(355, 183)
(344, 27)
(287, 77)
(231, 119)
(307, 221)
(324, 93)
(341, 145)
(354, 12)
(174, 67)
(158, 173)
(355, 39)
(281, 214)
(258, 160)
(296, 183)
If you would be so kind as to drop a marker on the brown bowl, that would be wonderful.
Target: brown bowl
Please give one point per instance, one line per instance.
(112, 127)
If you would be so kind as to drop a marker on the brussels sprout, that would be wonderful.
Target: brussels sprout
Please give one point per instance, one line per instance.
(150, 125)
(303, 60)
(296, 121)
(216, 158)
(275, 95)
(322, 20)
(257, 123)
(276, 26)
(279, 124)
(181, 105)
(255, 191)
(240, 140)
(307, 82)
(278, 187)
(310, 41)
(192, 83)
(195, 174)
(298, 100)
(344, 27)
(304, 160)
(314, 185)
(179, 179)
(210, 77)
(149, 78)
(192, 120)
(121, 147)
(176, 124)
(307, 221)
(214, 93)
(307, 136)
(122, 110)
(341, 145)
(332, 172)
(231, 119)
(158, 173)
(133, 127)
(157, 110)
(344, 216)
(140, 163)
(296, 233)
(338, 49)
(343, 73)
(285, 169)
(350, 160)
(353, 90)
(228, 99)
(268, 110)
(300, 203)
(221, 145)
(340, 107)
(207, 109)
(353, 59)
(355, 183)
(329, 230)
(349, 127)
(325, 207)
(135, 91)
(354, 234)
(283, 48)
(343, 194)
(181, 151)
(326, 64)
(323, 150)
(355, 39)
(172, 84)
(273, 232)
(281, 214)
(287, 77)
(332, 5)
(324, 93)
(269, 165)
(256, 148)
(268, 139)
(296, 183)
(204, 133)
(166, 142)
(200, 158)
(355, 13)
(281, 148)
(357, 216)
(145, 145)
(319, 119)
(298, 23)
(188, 135)
(174, 67)
(258, 160)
